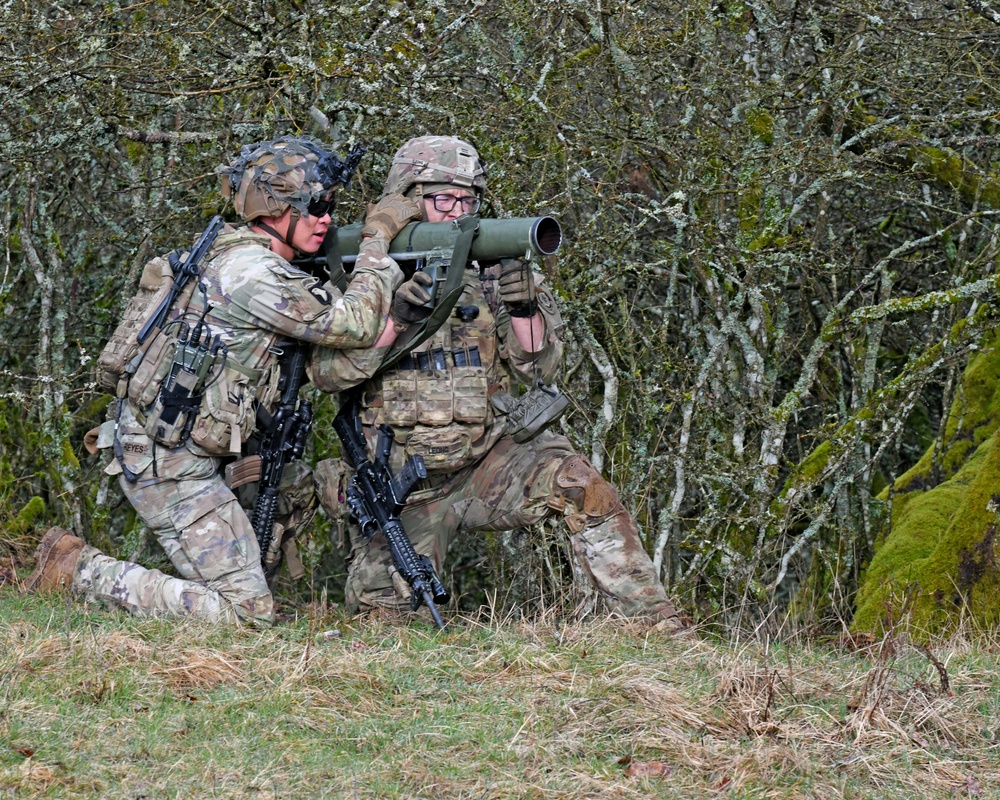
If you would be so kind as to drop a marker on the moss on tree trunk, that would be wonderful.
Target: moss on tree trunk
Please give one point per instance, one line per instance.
(936, 561)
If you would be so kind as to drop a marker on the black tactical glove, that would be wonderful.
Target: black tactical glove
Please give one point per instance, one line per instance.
(517, 289)
(409, 303)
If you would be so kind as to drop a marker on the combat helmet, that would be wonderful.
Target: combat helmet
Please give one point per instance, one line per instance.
(429, 163)
(268, 177)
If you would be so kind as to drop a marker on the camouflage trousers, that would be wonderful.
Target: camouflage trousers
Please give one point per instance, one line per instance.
(205, 533)
(513, 486)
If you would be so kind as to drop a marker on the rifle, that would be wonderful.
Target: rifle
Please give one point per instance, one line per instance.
(375, 498)
(183, 272)
(283, 439)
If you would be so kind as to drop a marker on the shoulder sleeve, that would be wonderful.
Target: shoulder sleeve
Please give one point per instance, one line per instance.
(279, 297)
(334, 370)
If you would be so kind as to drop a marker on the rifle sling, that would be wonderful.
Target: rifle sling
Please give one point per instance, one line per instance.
(447, 299)
(334, 265)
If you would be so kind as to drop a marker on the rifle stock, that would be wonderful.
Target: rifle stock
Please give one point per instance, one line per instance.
(183, 272)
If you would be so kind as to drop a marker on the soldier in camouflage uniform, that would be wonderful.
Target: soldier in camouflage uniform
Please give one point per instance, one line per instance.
(443, 401)
(256, 303)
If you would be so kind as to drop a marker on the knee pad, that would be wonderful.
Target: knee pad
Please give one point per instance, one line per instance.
(582, 494)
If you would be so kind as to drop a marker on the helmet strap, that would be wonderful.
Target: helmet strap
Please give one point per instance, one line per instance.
(418, 198)
(293, 220)
(265, 227)
(285, 238)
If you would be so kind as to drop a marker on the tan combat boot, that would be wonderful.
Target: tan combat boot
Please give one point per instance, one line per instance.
(668, 620)
(55, 561)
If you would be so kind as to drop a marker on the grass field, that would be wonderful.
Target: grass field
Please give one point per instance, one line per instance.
(99, 704)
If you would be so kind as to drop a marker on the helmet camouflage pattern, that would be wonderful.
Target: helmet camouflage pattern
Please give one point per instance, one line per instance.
(268, 177)
(436, 160)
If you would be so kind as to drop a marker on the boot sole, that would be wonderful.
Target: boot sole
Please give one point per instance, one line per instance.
(43, 552)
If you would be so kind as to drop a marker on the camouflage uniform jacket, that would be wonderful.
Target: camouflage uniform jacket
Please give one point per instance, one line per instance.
(437, 399)
(257, 300)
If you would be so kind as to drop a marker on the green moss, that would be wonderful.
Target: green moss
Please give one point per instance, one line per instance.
(69, 458)
(977, 409)
(749, 207)
(761, 125)
(950, 169)
(937, 556)
(586, 54)
(28, 515)
(811, 467)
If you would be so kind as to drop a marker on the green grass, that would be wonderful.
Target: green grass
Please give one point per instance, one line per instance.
(96, 703)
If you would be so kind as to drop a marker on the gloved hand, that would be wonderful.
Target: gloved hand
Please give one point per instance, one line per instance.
(384, 220)
(517, 289)
(408, 302)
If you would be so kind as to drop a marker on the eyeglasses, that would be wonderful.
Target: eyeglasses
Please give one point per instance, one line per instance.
(446, 202)
(321, 206)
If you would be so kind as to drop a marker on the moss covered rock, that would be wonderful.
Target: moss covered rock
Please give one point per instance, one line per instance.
(936, 562)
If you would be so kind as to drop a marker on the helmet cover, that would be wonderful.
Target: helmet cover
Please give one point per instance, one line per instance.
(268, 177)
(436, 160)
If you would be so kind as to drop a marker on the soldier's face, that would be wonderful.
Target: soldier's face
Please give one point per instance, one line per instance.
(310, 232)
(432, 206)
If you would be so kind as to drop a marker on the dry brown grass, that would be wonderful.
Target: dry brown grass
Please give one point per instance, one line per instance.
(96, 701)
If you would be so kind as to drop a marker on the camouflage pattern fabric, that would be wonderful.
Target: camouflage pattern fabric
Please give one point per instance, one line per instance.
(267, 177)
(482, 480)
(296, 507)
(252, 289)
(203, 531)
(256, 300)
(444, 414)
(513, 486)
(439, 160)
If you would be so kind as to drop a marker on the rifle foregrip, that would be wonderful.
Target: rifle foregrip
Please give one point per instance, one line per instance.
(263, 518)
(350, 438)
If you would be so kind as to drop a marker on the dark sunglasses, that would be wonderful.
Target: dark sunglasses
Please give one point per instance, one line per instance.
(321, 206)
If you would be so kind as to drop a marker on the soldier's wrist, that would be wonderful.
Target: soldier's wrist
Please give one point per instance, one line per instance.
(522, 309)
(376, 249)
(397, 325)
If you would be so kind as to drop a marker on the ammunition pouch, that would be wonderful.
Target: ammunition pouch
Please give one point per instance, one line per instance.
(442, 449)
(227, 415)
(181, 391)
(435, 397)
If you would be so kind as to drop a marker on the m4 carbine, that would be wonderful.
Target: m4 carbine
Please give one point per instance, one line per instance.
(375, 498)
(283, 437)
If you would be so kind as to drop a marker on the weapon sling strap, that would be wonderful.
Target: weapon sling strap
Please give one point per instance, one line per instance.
(448, 298)
(334, 266)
